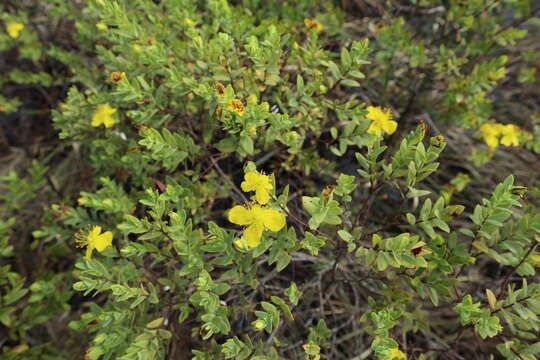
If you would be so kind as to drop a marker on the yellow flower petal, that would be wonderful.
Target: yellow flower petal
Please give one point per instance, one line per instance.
(491, 133)
(103, 241)
(250, 181)
(253, 234)
(395, 353)
(96, 230)
(262, 196)
(108, 122)
(240, 215)
(273, 219)
(374, 128)
(390, 127)
(492, 141)
(510, 135)
(95, 240)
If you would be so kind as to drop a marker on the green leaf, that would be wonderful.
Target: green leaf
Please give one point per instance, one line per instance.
(293, 293)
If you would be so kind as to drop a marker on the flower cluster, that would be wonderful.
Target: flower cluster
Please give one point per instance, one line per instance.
(256, 217)
(381, 121)
(493, 134)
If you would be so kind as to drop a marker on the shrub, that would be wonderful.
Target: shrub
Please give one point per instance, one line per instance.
(265, 180)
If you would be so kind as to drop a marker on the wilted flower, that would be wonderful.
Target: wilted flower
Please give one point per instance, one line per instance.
(117, 76)
(220, 89)
(236, 106)
(313, 24)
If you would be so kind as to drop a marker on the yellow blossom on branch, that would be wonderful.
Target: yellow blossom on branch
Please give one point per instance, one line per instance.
(381, 120)
(258, 182)
(102, 115)
(256, 218)
(493, 134)
(14, 29)
(236, 106)
(94, 239)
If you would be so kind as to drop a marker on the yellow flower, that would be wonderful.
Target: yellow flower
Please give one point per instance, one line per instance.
(257, 218)
(395, 353)
(490, 133)
(381, 120)
(313, 25)
(252, 130)
(94, 240)
(260, 183)
(236, 106)
(117, 76)
(14, 29)
(101, 26)
(102, 115)
(510, 135)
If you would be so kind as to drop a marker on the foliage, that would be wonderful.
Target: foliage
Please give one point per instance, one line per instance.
(267, 180)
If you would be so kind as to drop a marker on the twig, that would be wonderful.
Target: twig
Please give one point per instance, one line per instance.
(507, 278)
(220, 171)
